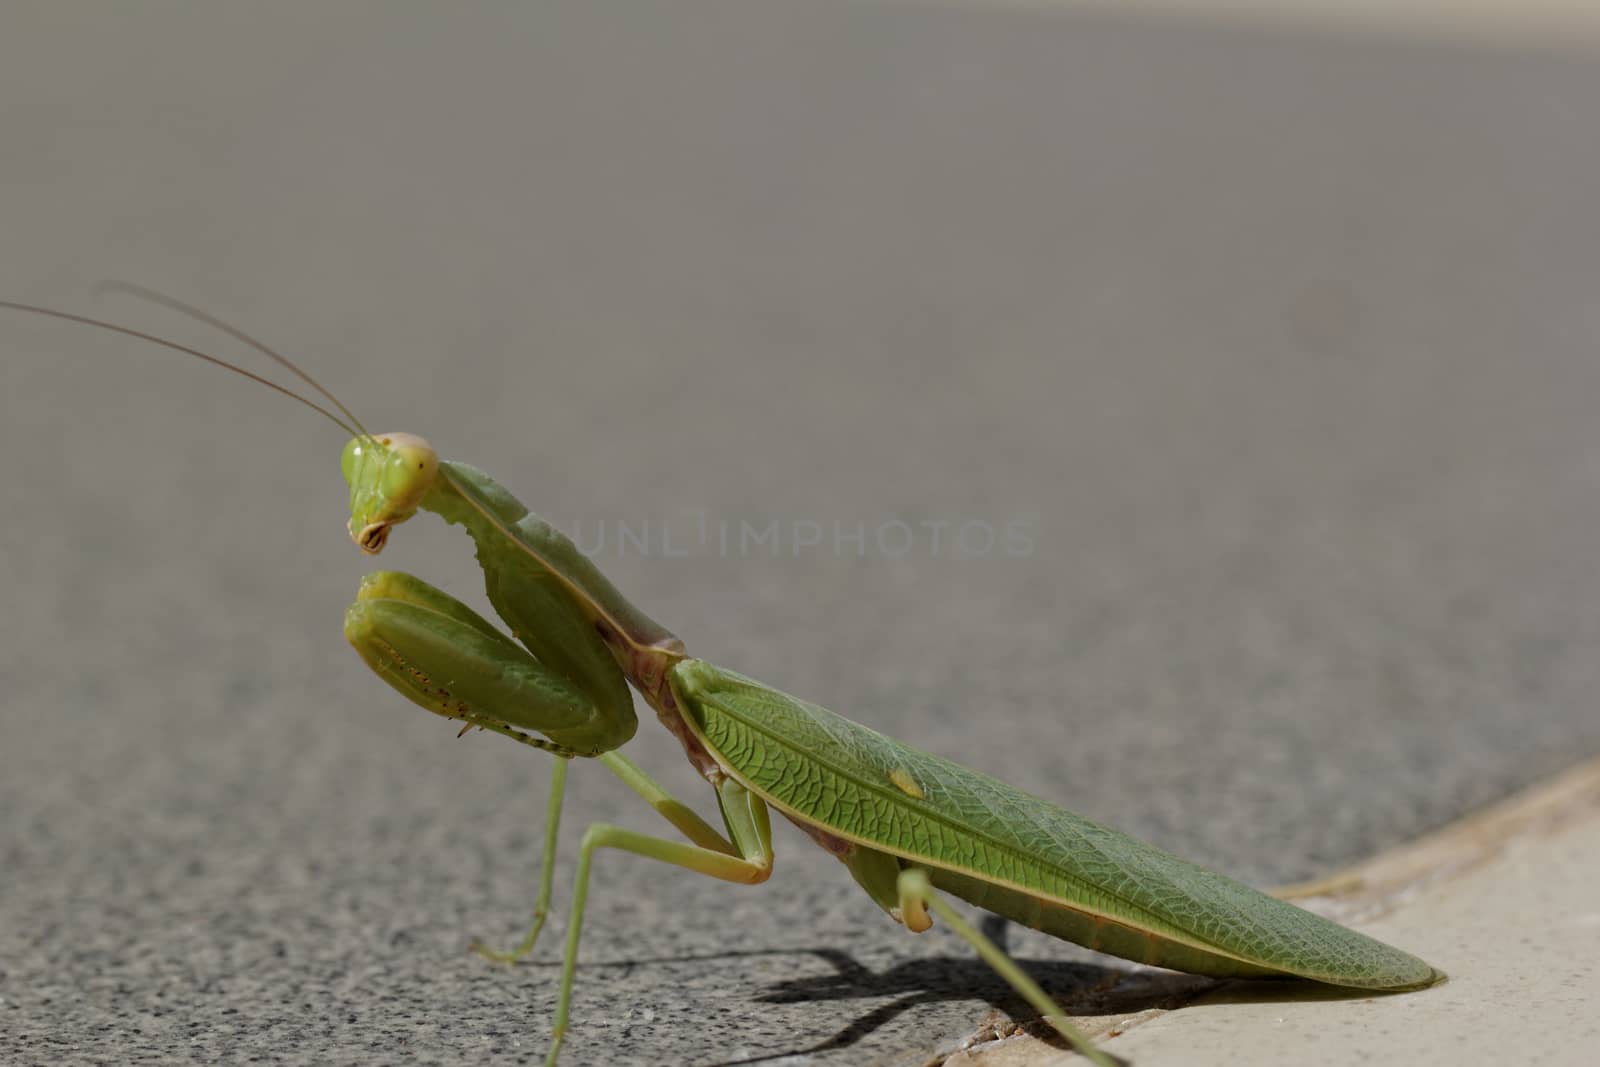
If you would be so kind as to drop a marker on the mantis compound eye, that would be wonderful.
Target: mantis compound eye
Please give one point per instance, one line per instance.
(409, 465)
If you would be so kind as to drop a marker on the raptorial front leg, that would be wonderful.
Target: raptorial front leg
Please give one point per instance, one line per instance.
(751, 830)
(917, 896)
(445, 657)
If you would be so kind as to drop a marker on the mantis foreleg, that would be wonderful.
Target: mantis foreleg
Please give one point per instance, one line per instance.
(445, 657)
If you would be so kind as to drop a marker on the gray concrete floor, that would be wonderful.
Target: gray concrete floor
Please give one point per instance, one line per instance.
(1279, 350)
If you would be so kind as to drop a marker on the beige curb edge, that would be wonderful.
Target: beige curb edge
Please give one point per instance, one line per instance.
(1358, 894)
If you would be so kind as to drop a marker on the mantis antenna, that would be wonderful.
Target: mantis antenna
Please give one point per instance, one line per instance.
(174, 304)
(357, 431)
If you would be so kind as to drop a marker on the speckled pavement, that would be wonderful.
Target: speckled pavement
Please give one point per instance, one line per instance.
(1258, 367)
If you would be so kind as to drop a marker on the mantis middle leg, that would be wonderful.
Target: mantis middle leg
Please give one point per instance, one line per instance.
(750, 831)
(673, 810)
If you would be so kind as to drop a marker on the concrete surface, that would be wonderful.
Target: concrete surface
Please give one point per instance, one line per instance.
(1281, 350)
(1527, 23)
(1502, 899)
(1519, 939)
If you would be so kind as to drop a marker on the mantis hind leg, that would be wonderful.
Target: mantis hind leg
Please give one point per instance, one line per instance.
(917, 897)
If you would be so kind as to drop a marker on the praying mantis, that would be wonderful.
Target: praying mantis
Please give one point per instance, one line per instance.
(909, 827)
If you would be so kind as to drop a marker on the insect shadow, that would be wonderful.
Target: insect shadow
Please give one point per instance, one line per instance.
(1081, 988)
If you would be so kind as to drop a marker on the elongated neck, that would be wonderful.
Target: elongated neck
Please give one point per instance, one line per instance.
(505, 530)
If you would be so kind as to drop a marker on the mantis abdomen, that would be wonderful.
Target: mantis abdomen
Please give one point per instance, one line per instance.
(1015, 854)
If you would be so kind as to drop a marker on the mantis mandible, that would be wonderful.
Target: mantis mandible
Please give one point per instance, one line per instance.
(907, 826)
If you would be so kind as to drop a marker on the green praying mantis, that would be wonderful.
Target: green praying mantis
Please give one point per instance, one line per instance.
(909, 827)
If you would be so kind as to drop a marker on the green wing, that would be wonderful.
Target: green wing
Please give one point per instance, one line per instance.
(1014, 853)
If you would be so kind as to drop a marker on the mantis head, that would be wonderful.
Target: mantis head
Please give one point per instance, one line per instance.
(389, 474)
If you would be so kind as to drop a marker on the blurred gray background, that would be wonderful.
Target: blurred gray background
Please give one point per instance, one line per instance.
(1279, 343)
